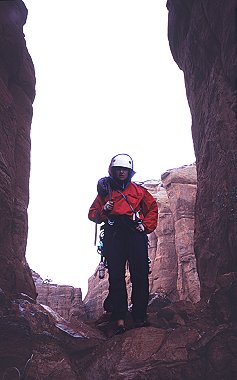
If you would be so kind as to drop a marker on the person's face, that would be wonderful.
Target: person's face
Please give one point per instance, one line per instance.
(121, 173)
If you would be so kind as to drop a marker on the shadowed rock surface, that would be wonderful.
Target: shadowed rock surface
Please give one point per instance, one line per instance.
(202, 38)
(17, 91)
(185, 340)
(36, 343)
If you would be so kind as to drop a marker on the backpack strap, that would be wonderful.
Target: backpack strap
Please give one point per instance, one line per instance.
(103, 189)
(135, 216)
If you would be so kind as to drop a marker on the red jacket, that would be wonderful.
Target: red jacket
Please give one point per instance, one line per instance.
(138, 197)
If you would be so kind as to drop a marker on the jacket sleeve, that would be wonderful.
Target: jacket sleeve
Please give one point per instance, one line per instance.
(96, 212)
(150, 212)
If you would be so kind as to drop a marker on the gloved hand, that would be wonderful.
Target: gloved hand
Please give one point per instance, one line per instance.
(140, 227)
(109, 206)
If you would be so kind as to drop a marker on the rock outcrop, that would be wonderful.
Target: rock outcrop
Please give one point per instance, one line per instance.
(17, 91)
(171, 250)
(36, 343)
(65, 300)
(183, 342)
(202, 37)
(181, 187)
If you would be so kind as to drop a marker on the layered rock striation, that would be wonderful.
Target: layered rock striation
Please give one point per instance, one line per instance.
(181, 187)
(65, 300)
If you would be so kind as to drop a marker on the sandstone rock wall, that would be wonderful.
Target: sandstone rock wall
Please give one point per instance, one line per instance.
(181, 185)
(65, 300)
(202, 37)
(162, 252)
(171, 250)
(17, 91)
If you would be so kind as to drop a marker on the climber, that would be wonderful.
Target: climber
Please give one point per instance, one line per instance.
(129, 212)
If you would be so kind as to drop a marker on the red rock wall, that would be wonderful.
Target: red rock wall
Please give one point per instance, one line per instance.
(181, 186)
(162, 250)
(65, 300)
(202, 36)
(17, 91)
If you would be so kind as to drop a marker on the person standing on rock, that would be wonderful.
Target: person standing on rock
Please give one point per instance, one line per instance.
(129, 212)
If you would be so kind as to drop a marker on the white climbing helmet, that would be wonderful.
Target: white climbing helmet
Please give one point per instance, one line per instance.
(123, 160)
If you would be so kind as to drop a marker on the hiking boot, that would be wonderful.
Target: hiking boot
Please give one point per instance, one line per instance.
(144, 323)
(120, 330)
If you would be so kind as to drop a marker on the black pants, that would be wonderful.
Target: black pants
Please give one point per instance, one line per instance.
(122, 244)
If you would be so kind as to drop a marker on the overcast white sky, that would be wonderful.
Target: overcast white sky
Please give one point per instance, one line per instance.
(106, 84)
